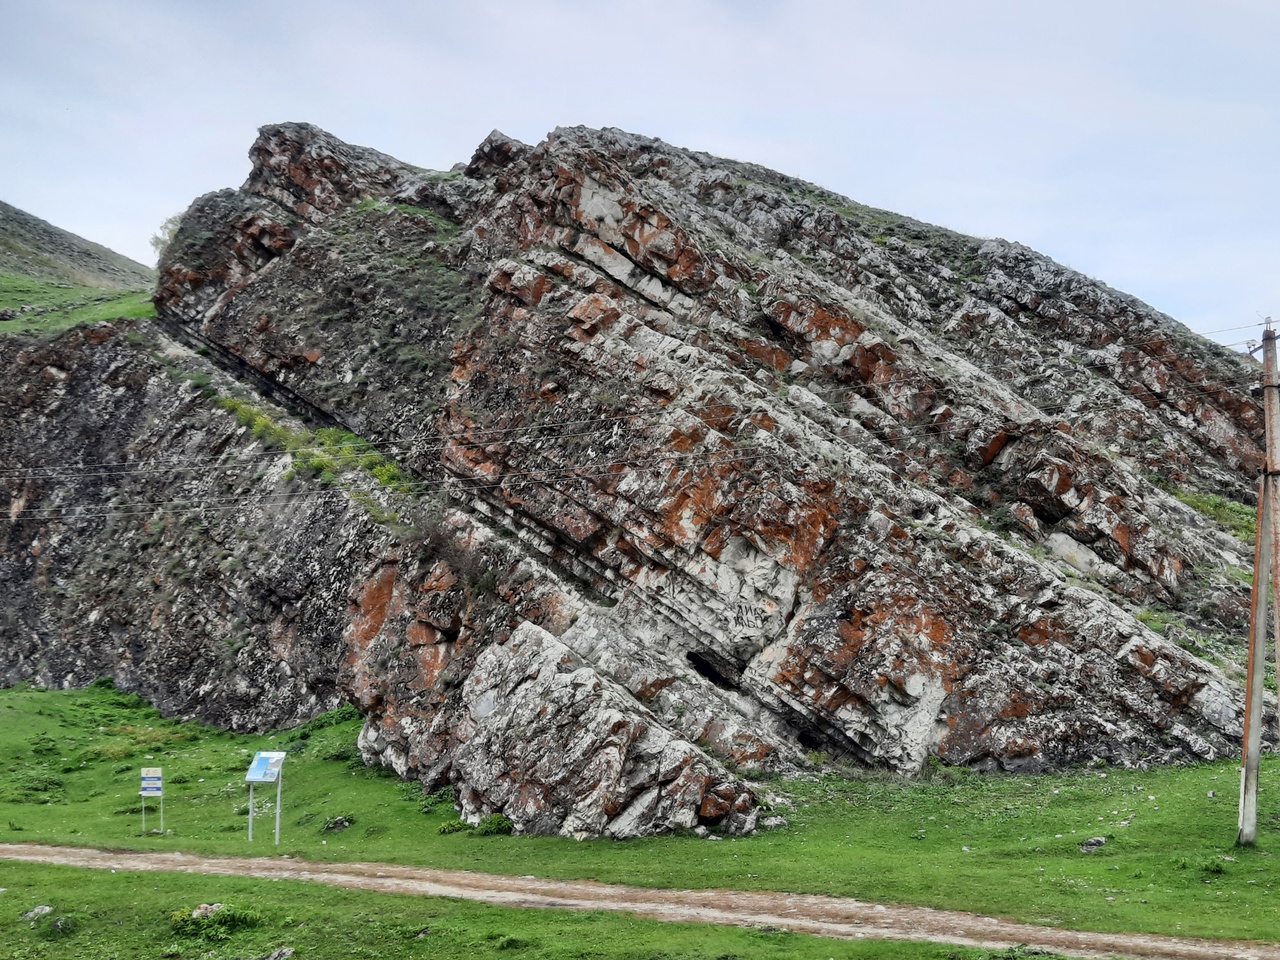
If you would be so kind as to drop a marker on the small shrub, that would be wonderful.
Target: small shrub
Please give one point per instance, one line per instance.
(31, 788)
(345, 753)
(494, 825)
(390, 475)
(487, 583)
(1239, 519)
(50, 927)
(433, 801)
(454, 826)
(217, 925)
(334, 717)
(1159, 620)
(816, 758)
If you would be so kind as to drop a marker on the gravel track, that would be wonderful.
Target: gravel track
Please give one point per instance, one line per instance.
(803, 913)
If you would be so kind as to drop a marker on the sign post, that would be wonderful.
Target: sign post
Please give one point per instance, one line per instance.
(152, 786)
(267, 767)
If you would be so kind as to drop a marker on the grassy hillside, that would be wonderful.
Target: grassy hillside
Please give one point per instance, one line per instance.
(30, 247)
(51, 279)
(145, 915)
(1008, 845)
(28, 304)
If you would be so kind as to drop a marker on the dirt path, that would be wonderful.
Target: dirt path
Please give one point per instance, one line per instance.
(803, 913)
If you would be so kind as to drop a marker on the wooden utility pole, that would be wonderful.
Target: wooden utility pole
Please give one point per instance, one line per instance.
(1266, 586)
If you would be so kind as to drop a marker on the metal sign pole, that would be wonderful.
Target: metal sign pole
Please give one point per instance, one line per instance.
(279, 793)
(144, 813)
(250, 809)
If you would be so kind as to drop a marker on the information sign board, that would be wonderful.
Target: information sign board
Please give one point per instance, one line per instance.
(265, 767)
(152, 786)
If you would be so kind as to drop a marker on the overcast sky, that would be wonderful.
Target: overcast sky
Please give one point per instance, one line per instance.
(1134, 140)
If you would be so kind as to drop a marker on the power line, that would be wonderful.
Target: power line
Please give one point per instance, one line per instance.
(492, 433)
(610, 468)
(364, 448)
(437, 445)
(216, 504)
(488, 435)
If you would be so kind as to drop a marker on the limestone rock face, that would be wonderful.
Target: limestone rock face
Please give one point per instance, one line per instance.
(674, 469)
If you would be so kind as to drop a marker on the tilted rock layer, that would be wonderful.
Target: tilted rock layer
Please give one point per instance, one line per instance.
(601, 473)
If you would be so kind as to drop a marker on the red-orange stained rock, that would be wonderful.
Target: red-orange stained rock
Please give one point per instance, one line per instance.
(418, 633)
(718, 416)
(692, 507)
(431, 661)
(1143, 655)
(372, 607)
(989, 450)
(1038, 632)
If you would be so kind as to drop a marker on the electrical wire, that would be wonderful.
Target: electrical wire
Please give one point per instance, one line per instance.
(438, 445)
(216, 504)
(495, 435)
(488, 436)
(419, 488)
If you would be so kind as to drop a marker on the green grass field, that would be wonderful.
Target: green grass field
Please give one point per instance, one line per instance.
(1006, 845)
(144, 915)
(59, 306)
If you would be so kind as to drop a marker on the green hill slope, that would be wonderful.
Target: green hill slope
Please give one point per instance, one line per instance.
(30, 247)
(51, 279)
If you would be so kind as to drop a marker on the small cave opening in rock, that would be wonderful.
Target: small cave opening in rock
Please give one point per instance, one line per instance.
(810, 741)
(708, 670)
(833, 744)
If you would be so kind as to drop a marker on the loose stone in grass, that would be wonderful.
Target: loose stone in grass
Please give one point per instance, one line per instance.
(1092, 844)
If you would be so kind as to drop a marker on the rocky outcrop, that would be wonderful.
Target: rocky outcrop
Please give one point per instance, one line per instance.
(659, 470)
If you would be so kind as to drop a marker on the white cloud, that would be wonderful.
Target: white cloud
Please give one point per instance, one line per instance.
(1135, 141)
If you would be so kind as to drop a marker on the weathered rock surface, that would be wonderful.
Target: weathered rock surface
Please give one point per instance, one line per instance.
(697, 469)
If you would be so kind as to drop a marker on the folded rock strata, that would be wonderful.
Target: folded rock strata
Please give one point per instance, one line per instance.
(675, 469)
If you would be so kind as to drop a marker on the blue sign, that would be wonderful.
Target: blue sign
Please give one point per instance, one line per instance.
(152, 782)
